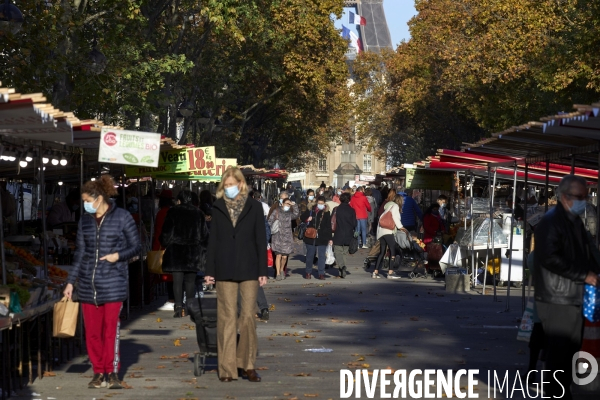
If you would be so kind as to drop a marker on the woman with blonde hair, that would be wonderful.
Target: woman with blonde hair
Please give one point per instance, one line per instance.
(107, 238)
(237, 261)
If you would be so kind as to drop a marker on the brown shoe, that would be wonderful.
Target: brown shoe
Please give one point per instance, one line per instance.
(307, 276)
(226, 379)
(251, 375)
(322, 277)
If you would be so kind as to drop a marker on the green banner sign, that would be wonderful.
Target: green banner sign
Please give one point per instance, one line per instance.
(181, 160)
(428, 179)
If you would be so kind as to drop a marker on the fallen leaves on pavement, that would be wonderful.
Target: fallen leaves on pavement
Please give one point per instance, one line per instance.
(49, 374)
(176, 342)
(158, 320)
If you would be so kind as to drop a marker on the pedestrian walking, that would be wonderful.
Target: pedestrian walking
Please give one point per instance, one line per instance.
(386, 236)
(185, 239)
(361, 205)
(107, 238)
(165, 202)
(318, 218)
(237, 261)
(563, 263)
(345, 218)
(282, 241)
(373, 213)
(410, 211)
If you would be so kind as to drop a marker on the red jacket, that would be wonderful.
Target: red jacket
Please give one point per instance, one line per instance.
(361, 205)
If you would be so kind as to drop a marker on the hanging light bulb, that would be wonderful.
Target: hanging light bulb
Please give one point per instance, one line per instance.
(46, 157)
(170, 186)
(60, 183)
(93, 179)
(29, 156)
(23, 164)
(63, 160)
(54, 159)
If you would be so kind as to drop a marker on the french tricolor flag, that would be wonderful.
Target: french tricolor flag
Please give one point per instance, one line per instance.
(357, 19)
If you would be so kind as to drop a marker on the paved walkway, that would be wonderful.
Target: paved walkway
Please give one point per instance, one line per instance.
(367, 323)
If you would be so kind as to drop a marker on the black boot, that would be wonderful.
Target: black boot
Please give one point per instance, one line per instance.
(178, 312)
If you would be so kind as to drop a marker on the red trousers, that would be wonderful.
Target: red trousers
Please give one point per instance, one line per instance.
(102, 335)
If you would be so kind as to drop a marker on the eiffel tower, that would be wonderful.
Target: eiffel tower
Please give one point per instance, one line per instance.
(375, 36)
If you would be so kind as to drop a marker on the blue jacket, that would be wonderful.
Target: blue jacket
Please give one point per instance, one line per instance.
(103, 282)
(410, 211)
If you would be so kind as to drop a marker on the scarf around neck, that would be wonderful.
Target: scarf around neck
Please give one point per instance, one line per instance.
(235, 207)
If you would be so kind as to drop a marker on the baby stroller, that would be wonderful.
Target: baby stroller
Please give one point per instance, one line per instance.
(203, 312)
(373, 255)
(413, 256)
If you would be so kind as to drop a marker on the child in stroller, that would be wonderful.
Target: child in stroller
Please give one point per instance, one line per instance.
(413, 252)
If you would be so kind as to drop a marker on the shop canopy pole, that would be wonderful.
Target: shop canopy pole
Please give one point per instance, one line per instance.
(492, 237)
(81, 210)
(473, 266)
(510, 242)
(4, 271)
(598, 203)
(487, 253)
(524, 233)
(141, 226)
(43, 197)
(153, 210)
(546, 185)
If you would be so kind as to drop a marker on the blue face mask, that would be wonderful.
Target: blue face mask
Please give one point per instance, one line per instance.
(578, 207)
(311, 197)
(286, 208)
(232, 191)
(321, 206)
(89, 207)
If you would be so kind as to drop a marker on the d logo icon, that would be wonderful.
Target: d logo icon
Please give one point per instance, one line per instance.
(584, 364)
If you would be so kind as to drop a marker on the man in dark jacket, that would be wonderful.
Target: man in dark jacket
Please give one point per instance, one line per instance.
(345, 218)
(563, 263)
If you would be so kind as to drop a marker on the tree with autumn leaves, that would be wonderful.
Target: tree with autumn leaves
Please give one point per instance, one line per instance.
(264, 79)
(473, 67)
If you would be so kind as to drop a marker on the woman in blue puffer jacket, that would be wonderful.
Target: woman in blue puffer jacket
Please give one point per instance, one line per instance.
(107, 238)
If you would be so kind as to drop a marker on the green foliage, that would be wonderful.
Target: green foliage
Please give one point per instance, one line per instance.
(478, 66)
(268, 71)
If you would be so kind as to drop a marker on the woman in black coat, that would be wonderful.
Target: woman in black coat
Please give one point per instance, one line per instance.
(320, 219)
(185, 237)
(237, 261)
(345, 218)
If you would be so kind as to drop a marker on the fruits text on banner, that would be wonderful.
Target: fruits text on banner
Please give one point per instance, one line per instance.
(129, 147)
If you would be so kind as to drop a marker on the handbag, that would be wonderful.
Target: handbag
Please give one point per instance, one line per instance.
(353, 248)
(310, 233)
(276, 225)
(65, 316)
(526, 325)
(334, 220)
(154, 260)
(591, 303)
(303, 227)
(387, 221)
(269, 257)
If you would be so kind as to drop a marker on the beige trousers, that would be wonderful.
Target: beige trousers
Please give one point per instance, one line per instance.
(242, 355)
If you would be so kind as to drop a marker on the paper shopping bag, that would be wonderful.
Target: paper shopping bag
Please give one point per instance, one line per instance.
(65, 318)
(154, 259)
(526, 325)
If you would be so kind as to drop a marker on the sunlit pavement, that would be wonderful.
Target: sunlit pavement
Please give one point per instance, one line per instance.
(367, 323)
